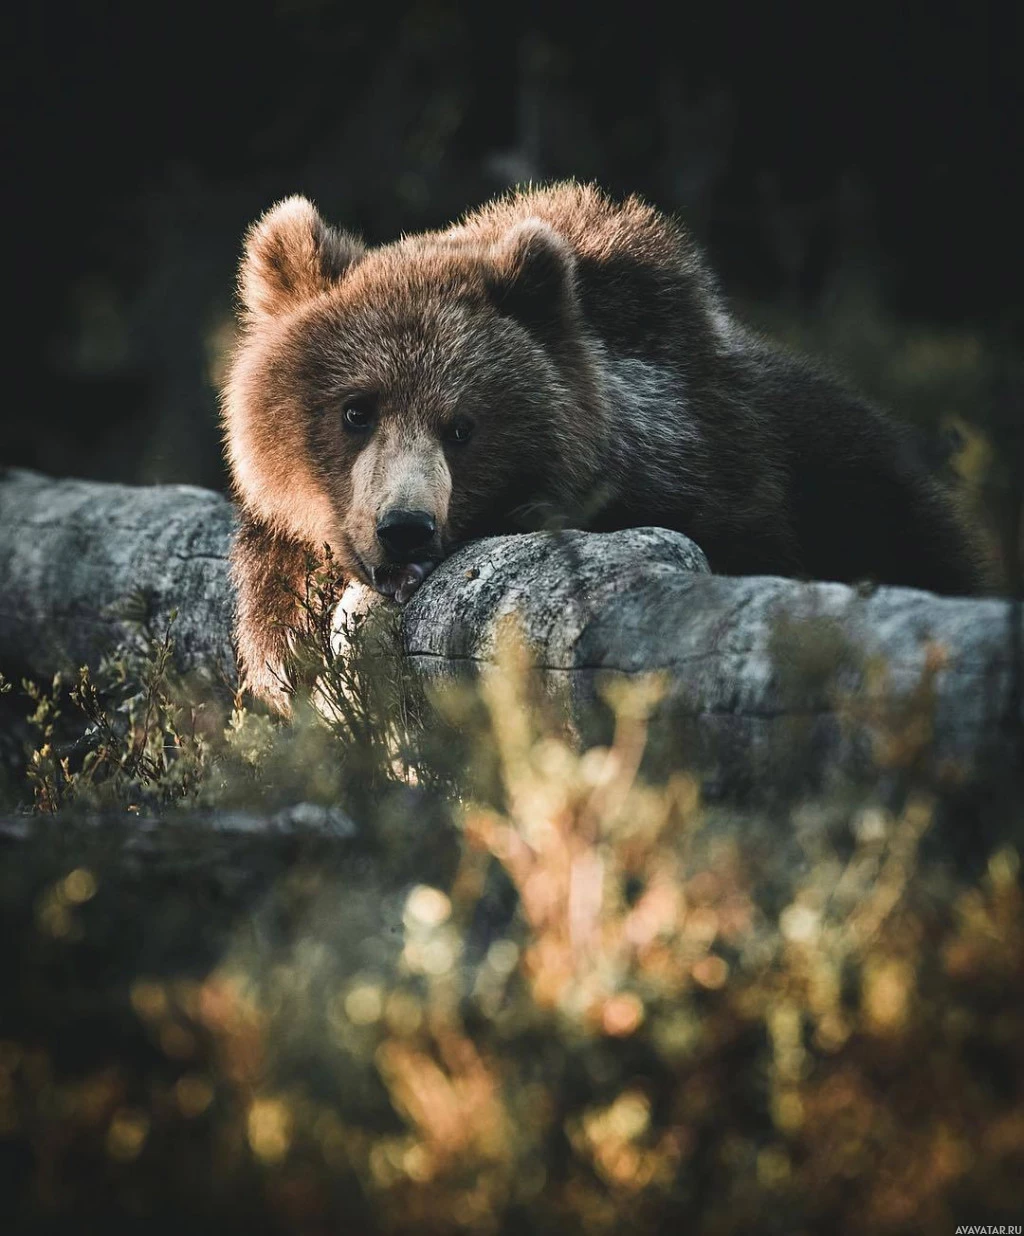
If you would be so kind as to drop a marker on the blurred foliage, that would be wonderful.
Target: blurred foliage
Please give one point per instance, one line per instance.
(549, 988)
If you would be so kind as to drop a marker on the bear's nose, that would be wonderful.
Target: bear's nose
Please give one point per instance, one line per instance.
(405, 534)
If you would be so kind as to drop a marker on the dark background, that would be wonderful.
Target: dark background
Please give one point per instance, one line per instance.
(854, 174)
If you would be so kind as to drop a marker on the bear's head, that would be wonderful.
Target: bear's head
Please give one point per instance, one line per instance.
(390, 402)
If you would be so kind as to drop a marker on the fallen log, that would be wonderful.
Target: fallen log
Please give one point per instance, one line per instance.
(764, 678)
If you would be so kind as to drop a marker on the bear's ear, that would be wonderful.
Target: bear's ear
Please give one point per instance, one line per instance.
(532, 276)
(291, 255)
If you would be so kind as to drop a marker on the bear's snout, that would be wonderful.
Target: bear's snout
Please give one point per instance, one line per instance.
(407, 536)
(411, 548)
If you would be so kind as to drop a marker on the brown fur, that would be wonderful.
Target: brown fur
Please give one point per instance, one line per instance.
(607, 385)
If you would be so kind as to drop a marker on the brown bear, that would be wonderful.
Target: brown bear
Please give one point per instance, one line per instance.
(554, 358)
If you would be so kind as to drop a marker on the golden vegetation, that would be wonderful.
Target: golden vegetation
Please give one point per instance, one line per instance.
(618, 1008)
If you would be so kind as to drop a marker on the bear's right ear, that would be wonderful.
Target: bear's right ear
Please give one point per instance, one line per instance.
(291, 255)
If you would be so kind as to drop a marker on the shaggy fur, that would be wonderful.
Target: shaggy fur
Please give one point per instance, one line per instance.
(585, 347)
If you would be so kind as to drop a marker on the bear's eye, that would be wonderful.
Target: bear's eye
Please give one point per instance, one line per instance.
(358, 415)
(459, 431)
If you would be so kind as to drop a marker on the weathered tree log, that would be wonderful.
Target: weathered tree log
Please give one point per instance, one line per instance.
(759, 672)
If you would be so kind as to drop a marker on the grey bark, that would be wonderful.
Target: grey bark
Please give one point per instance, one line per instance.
(72, 553)
(764, 677)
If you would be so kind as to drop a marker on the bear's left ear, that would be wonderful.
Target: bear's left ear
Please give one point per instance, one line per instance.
(291, 255)
(532, 276)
